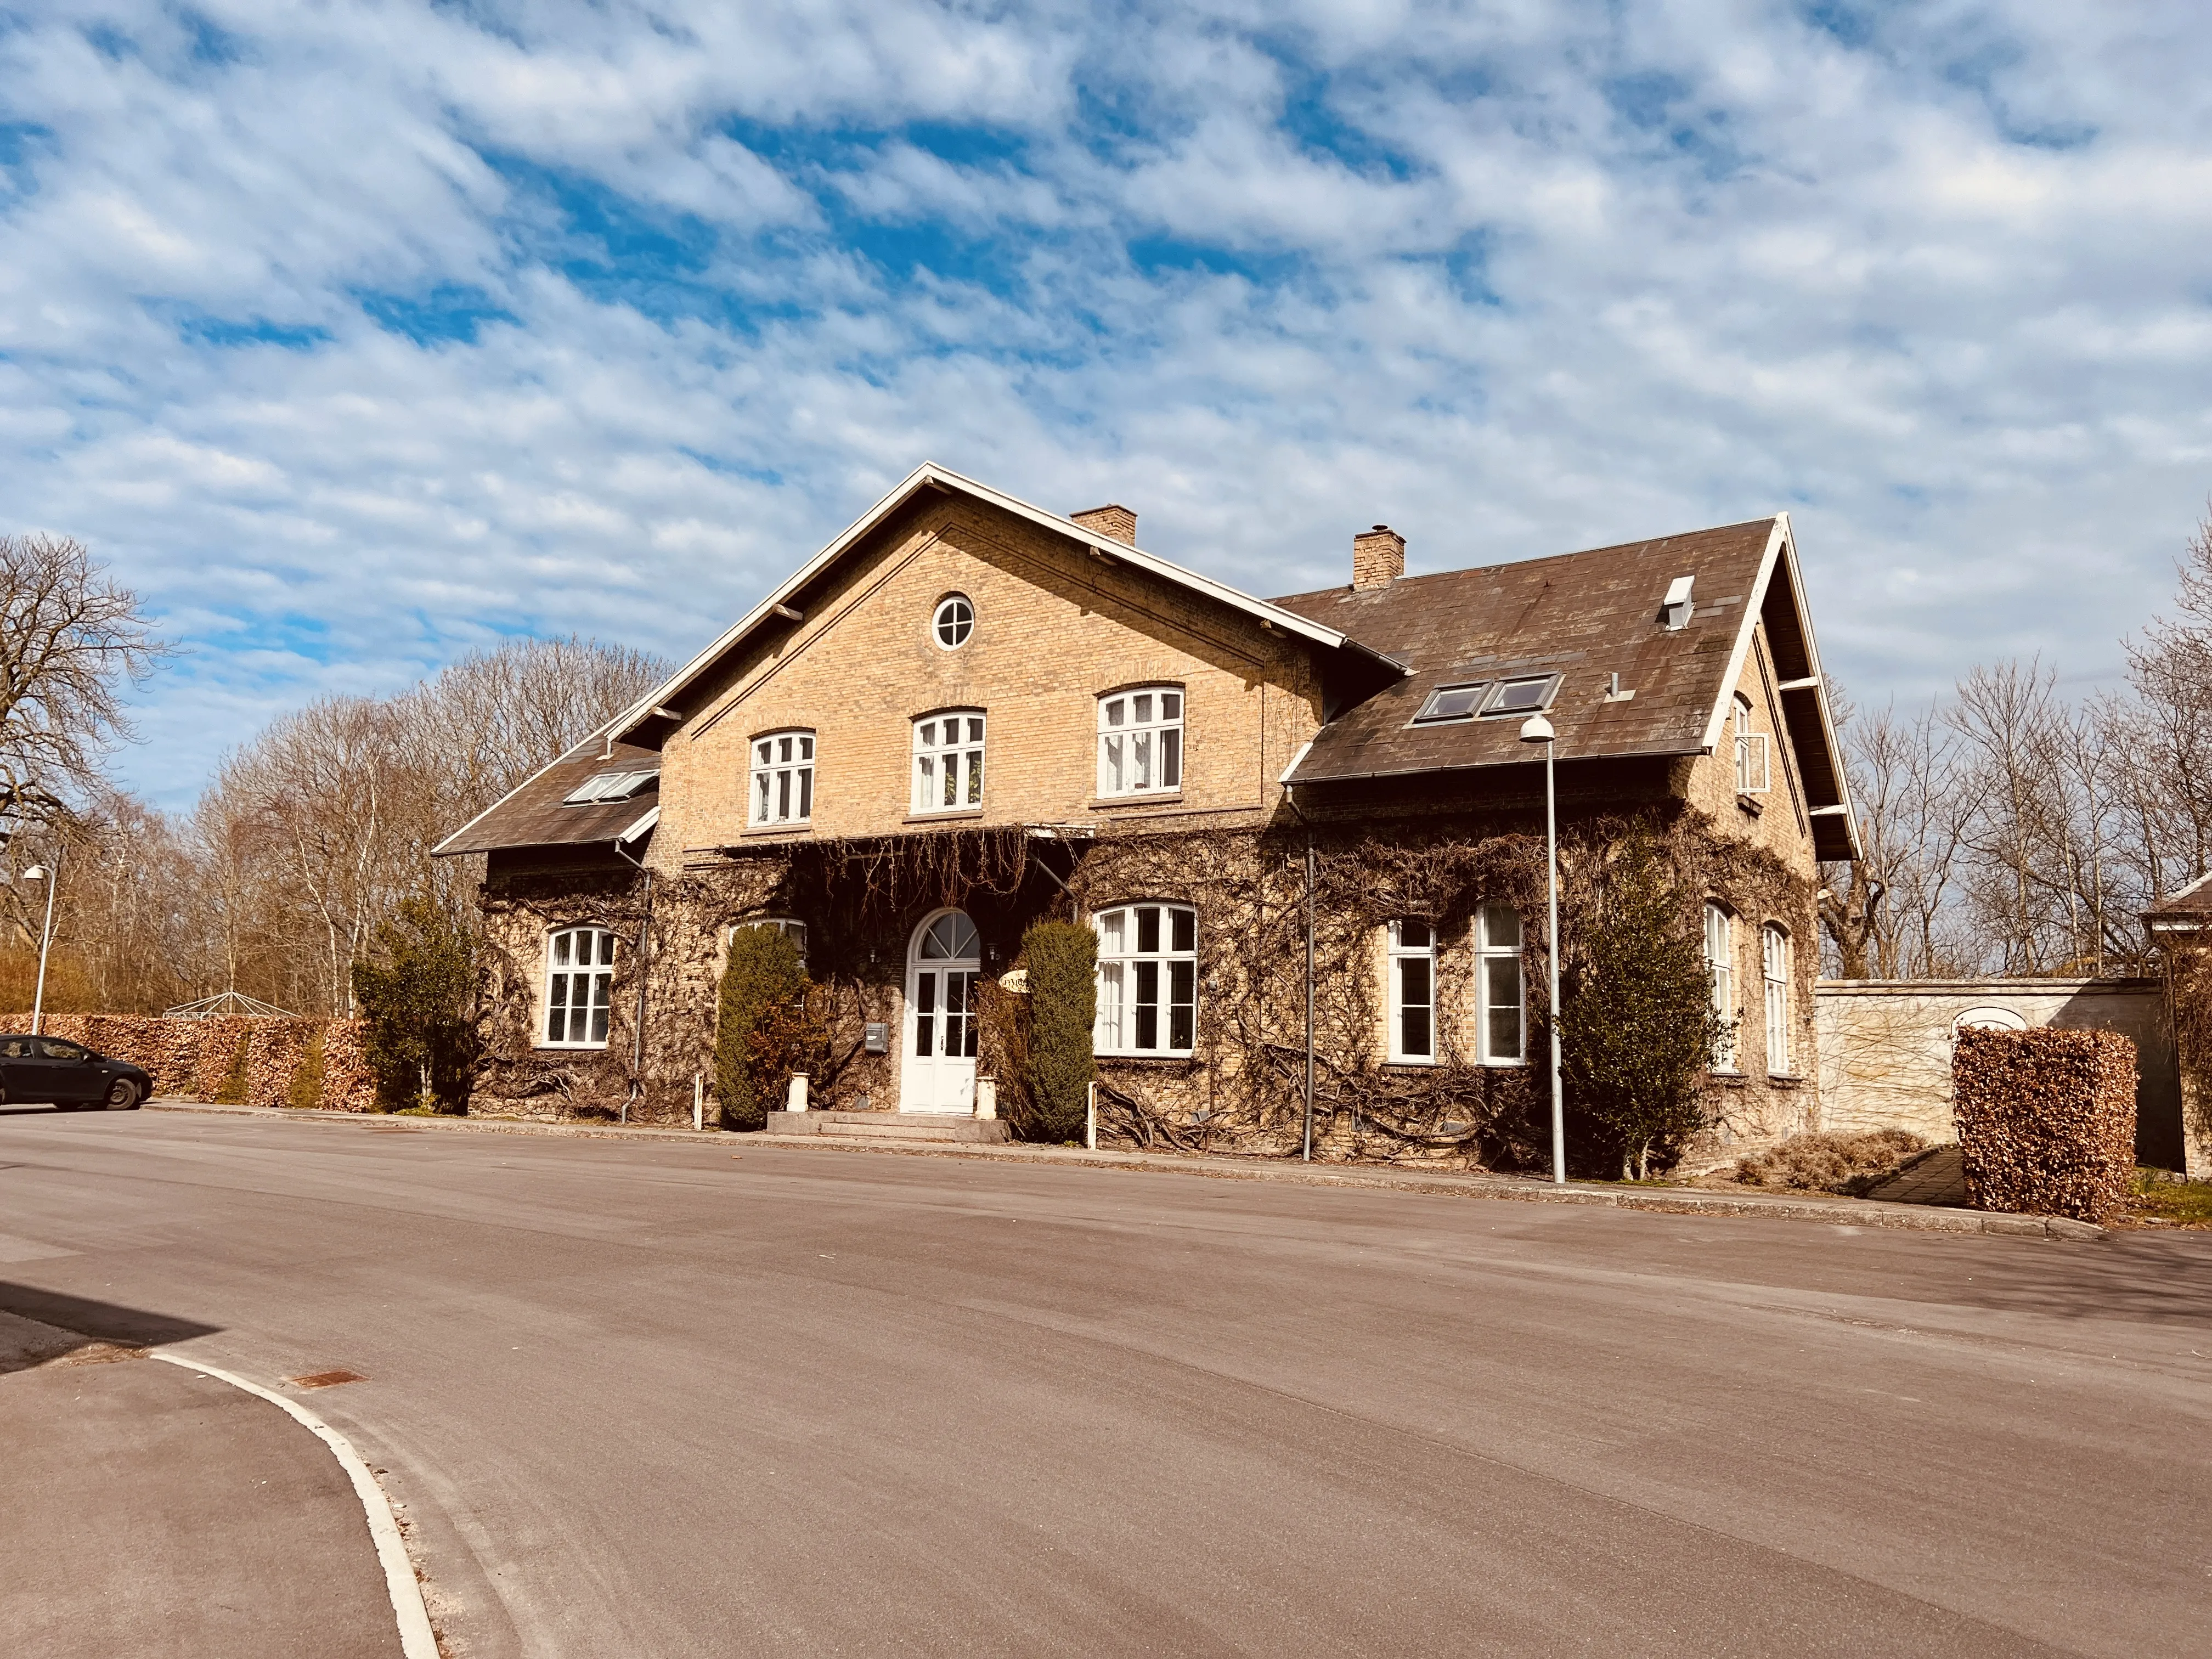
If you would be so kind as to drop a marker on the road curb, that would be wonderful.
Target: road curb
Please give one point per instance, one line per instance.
(1835, 1212)
(416, 1639)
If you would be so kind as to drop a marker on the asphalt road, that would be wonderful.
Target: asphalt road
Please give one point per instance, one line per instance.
(666, 1400)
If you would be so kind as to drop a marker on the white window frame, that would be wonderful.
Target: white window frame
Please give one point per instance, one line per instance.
(945, 619)
(1489, 950)
(958, 764)
(1121, 979)
(1719, 962)
(1774, 952)
(597, 970)
(1151, 747)
(788, 927)
(1412, 946)
(780, 789)
(1753, 773)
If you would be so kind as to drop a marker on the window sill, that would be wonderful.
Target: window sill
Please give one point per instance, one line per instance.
(1504, 1065)
(1148, 798)
(1410, 1064)
(952, 813)
(1749, 804)
(1786, 1079)
(770, 831)
(569, 1048)
(1148, 1060)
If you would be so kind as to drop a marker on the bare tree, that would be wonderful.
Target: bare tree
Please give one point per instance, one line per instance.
(1889, 915)
(69, 637)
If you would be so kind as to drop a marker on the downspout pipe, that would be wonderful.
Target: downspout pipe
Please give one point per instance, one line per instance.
(644, 961)
(1290, 794)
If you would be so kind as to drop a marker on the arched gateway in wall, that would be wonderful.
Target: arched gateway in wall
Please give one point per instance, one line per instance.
(937, 1073)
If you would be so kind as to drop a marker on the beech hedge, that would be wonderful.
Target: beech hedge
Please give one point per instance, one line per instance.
(2046, 1120)
(238, 1059)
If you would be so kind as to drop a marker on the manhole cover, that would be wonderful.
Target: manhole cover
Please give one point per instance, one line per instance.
(325, 1379)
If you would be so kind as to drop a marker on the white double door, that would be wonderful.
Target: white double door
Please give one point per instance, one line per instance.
(938, 1072)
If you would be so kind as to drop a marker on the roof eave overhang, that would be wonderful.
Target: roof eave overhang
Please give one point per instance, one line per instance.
(1780, 559)
(927, 476)
(1295, 777)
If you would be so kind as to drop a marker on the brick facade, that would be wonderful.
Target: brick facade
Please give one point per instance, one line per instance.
(1057, 621)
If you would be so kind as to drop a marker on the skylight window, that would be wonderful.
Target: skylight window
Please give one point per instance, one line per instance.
(611, 786)
(1527, 696)
(1451, 702)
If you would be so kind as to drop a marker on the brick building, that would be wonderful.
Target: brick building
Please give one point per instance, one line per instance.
(967, 713)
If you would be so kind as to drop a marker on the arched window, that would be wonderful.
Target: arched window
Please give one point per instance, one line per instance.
(1413, 992)
(1505, 1033)
(1140, 740)
(580, 972)
(948, 761)
(1720, 961)
(1148, 980)
(783, 778)
(1774, 952)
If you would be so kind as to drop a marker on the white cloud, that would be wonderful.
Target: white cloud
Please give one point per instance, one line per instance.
(1513, 278)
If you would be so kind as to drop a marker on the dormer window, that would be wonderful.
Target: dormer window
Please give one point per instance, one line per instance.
(1140, 741)
(1451, 702)
(618, 784)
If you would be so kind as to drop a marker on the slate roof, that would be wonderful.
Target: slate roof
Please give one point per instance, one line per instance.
(1586, 617)
(532, 815)
(2186, 910)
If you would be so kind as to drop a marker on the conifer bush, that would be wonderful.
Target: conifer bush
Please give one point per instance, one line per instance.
(1637, 1029)
(1063, 966)
(416, 991)
(762, 983)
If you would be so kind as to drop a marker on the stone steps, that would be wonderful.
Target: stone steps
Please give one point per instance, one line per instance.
(890, 1126)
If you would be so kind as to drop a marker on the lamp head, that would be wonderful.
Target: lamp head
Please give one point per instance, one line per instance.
(36, 873)
(1536, 729)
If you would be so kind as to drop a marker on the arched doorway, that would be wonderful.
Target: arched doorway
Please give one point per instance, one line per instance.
(937, 1071)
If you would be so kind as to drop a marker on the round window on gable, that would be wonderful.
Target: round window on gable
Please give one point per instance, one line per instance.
(954, 621)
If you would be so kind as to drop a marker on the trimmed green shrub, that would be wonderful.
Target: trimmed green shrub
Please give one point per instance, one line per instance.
(416, 993)
(1063, 964)
(1637, 1030)
(762, 976)
(232, 1092)
(305, 1089)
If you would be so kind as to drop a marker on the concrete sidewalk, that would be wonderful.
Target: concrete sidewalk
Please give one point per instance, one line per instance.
(152, 1511)
(1844, 1212)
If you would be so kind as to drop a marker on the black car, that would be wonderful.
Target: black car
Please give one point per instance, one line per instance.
(44, 1070)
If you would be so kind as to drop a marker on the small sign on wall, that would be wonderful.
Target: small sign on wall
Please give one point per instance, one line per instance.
(878, 1040)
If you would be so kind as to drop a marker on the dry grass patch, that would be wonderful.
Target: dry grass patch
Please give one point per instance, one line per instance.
(1848, 1164)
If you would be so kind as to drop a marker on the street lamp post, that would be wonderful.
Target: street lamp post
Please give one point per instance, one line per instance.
(1537, 729)
(41, 872)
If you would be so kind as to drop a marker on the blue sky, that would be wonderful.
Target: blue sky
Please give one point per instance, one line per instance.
(357, 336)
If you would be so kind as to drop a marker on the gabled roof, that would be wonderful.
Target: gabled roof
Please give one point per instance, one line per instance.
(1588, 616)
(930, 476)
(532, 814)
(2186, 910)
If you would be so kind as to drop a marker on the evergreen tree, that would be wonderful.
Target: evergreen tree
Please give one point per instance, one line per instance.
(1063, 964)
(763, 979)
(1637, 1030)
(417, 992)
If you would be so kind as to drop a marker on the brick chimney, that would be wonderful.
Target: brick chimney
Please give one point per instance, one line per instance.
(1378, 557)
(1113, 521)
